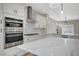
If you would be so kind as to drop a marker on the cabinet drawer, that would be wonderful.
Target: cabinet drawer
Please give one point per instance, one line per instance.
(31, 38)
(26, 39)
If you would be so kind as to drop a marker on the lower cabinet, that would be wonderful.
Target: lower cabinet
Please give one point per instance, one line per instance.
(31, 38)
(14, 51)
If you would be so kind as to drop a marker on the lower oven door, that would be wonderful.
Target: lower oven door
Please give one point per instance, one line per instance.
(13, 40)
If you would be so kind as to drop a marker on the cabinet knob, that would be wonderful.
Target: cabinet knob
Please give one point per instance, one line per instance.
(15, 11)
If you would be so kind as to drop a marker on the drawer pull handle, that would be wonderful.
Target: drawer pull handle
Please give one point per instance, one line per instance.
(0, 21)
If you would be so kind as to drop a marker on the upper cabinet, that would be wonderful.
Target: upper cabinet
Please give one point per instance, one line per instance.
(0, 10)
(14, 9)
(40, 21)
(51, 26)
(1, 29)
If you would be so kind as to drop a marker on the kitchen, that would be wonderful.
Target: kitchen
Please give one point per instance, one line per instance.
(39, 29)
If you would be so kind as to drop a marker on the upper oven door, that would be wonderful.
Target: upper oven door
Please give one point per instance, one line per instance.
(11, 22)
(13, 25)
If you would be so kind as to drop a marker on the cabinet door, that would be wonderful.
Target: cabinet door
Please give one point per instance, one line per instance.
(14, 9)
(26, 39)
(0, 10)
(51, 26)
(20, 10)
(1, 29)
(9, 8)
(43, 21)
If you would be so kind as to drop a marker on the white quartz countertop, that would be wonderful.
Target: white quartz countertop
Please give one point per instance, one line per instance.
(52, 46)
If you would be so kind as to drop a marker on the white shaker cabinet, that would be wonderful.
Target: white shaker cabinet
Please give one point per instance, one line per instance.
(14, 9)
(31, 38)
(1, 30)
(51, 26)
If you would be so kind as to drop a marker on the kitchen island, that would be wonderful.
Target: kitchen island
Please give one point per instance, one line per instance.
(52, 46)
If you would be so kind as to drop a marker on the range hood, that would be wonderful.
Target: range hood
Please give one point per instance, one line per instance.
(29, 15)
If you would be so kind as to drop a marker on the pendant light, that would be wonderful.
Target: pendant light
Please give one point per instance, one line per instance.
(61, 8)
(62, 13)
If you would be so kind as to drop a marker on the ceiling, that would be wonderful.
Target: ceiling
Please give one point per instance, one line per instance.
(70, 10)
